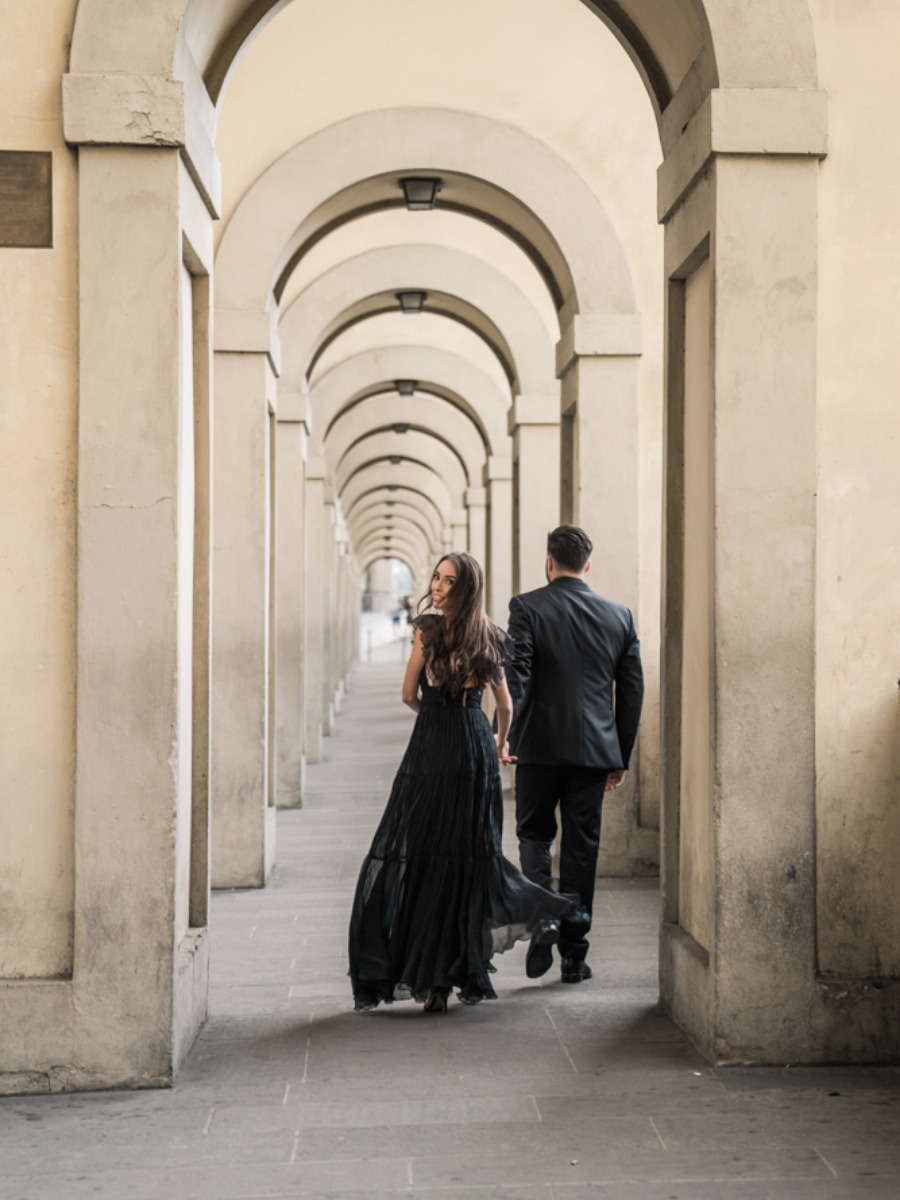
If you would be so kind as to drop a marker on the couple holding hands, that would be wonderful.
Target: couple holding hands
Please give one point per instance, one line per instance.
(436, 899)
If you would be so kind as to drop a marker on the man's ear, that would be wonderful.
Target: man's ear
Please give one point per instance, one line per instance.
(587, 566)
(550, 564)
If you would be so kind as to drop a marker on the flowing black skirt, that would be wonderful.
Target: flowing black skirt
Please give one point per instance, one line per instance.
(436, 898)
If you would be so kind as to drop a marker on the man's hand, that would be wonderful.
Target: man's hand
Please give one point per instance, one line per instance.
(614, 780)
(503, 755)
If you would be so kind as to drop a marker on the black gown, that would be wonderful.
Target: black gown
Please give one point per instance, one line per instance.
(436, 898)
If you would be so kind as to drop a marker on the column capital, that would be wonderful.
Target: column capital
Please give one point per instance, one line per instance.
(245, 331)
(533, 410)
(476, 497)
(147, 110)
(599, 335)
(746, 121)
(294, 408)
(497, 468)
(315, 469)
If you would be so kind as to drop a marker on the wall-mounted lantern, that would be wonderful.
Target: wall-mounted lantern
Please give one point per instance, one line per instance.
(411, 302)
(406, 387)
(420, 191)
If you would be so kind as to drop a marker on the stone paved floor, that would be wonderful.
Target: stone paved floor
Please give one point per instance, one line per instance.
(552, 1093)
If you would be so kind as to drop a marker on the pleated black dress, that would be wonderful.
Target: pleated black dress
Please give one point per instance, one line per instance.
(436, 898)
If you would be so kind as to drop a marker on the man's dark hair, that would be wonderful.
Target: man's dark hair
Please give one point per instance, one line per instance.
(570, 548)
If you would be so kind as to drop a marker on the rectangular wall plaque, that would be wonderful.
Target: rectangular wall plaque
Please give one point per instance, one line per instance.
(26, 198)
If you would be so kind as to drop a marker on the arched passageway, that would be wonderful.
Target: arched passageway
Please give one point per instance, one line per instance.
(206, 358)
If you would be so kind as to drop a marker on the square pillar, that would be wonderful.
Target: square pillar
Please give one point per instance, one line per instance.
(313, 657)
(329, 593)
(126, 1007)
(476, 507)
(292, 434)
(738, 953)
(498, 551)
(243, 825)
(534, 428)
(598, 359)
(459, 529)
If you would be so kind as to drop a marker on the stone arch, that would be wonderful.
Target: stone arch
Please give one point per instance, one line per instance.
(437, 373)
(409, 447)
(425, 414)
(391, 544)
(771, 46)
(471, 291)
(373, 556)
(375, 519)
(500, 174)
(411, 475)
(418, 505)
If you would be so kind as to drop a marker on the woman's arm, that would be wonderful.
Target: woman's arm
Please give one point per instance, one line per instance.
(503, 701)
(410, 693)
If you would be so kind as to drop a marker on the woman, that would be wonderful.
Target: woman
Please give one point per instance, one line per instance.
(436, 898)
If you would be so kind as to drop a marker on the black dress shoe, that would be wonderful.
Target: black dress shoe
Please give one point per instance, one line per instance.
(539, 958)
(574, 970)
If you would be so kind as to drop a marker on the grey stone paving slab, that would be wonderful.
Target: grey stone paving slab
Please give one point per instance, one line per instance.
(610, 1165)
(691, 1188)
(289, 1093)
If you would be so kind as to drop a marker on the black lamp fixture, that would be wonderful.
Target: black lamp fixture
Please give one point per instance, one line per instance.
(392, 487)
(390, 503)
(401, 428)
(411, 302)
(395, 460)
(419, 192)
(406, 387)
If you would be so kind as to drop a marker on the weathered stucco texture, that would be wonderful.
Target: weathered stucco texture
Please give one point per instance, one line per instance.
(38, 391)
(857, 603)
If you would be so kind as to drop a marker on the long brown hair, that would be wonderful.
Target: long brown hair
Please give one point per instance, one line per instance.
(463, 648)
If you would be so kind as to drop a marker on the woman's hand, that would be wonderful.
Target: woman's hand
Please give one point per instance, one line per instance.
(503, 755)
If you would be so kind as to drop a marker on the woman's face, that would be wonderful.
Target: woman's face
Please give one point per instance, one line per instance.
(442, 581)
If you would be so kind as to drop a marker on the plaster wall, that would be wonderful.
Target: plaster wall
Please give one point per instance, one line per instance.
(38, 393)
(858, 549)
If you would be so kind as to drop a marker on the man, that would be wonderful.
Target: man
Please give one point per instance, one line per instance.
(577, 689)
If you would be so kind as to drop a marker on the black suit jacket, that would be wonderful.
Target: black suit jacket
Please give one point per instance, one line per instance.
(575, 677)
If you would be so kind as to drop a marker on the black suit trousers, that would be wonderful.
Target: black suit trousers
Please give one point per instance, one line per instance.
(579, 793)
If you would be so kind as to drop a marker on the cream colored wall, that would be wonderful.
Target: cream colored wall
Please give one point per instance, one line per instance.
(858, 593)
(38, 383)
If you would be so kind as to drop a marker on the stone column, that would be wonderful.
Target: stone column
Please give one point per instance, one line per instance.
(243, 817)
(476, 507)
(597, 360)
(459, 529)
(329, 572)
(534, 428)
(498, 474)
(292, 434)
(738, 955)
(135, 994)
(314, 600)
